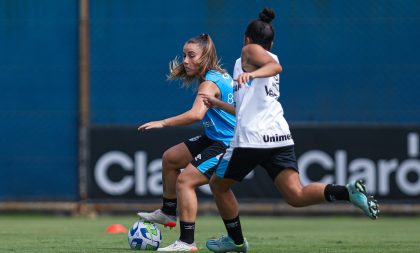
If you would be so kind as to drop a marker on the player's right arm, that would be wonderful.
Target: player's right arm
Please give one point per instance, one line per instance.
(196, 113)
(213, 102)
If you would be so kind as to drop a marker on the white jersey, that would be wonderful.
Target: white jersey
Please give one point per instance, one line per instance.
(259, 114)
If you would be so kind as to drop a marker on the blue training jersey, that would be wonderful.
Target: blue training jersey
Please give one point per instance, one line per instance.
(218, 124)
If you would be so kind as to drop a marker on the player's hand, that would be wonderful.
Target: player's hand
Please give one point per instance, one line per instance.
(244, 78)
(209, 100)
(151, 125)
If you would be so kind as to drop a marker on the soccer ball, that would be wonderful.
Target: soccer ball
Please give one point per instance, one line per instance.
(144, 235)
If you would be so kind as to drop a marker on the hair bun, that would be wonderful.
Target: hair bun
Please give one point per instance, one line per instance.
(267, 15)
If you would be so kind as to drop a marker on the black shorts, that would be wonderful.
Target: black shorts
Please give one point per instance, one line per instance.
(206, 153)
(238, 162)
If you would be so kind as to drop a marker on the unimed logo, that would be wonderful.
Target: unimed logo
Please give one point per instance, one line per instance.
(376, 174)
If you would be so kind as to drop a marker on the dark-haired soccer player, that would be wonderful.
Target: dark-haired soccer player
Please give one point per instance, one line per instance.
(262, 137)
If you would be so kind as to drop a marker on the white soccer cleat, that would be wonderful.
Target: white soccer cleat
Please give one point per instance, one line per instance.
(180, 246)
(158, 216)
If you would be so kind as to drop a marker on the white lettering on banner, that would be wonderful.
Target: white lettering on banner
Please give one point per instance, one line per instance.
(154, 182)
(146, 179)
(101, 169)
(387, 167)
(376, 175)
(413, 144)
(140, 159)
(410, 188)
(315, 157)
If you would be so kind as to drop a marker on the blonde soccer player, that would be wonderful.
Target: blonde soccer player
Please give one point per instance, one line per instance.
(199, 155)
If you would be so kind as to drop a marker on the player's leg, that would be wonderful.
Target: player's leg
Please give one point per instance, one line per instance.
(173, 160)
(234, 166)
(229, 211)
(187, 182)
(282, 167)
(296, 195)
(225, 200)
(288, 183)
(189, 179)
(197, 173)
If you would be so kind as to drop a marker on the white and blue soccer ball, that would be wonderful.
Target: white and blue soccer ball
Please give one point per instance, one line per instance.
(144, 235)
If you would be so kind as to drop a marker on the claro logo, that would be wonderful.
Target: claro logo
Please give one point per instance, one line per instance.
(376, 174)
(147, 178)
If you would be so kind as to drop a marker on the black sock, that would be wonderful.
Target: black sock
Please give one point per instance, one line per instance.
(187, 231)
(169, 206)
(335, 192)
(234, 230)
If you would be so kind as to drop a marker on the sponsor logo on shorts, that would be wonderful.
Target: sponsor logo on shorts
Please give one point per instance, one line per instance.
(208, 123)
(198, 157)
(195, 138)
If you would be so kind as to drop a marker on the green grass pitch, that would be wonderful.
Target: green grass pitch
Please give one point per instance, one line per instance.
(35, 233)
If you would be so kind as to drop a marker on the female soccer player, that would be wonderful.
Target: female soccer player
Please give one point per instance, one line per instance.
(198, 155)
(262, 137)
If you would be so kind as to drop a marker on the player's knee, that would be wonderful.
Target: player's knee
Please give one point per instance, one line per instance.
(216, 186)
(294, 199)
(169, 158)
(213, 186)
(294, 203)
(183, 183)
(213, 189)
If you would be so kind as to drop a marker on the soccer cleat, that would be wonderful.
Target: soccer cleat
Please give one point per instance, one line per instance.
(158, 216)
(360, 198)
(226, 244)
(179, 245)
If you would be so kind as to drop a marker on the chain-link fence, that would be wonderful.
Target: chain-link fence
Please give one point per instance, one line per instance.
(344, 62)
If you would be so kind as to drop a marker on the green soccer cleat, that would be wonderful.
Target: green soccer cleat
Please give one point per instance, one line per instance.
(226, 244)
(360, 198)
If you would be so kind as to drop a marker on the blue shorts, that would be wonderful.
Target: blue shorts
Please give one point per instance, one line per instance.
(236, 163)
(206, 153)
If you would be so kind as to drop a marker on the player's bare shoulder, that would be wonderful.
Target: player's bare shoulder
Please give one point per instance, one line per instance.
(252, 57)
